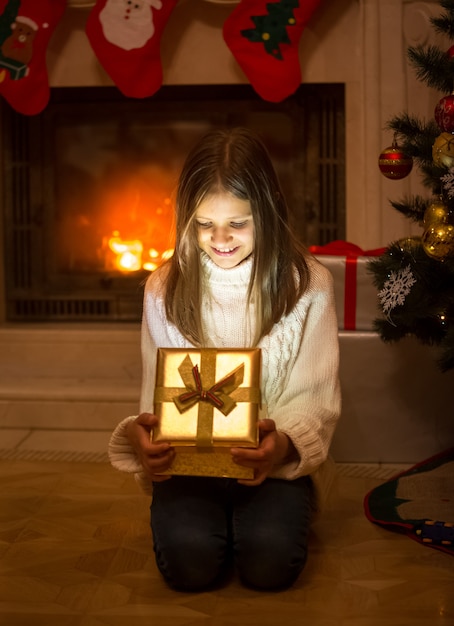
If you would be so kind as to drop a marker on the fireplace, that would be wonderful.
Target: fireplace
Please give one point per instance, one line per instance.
(89, 187)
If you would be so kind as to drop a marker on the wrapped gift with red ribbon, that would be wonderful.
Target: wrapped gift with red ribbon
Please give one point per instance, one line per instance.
(357, 302)
(208, 401)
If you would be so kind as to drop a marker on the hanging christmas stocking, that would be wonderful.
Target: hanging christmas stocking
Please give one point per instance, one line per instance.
(26, 27)
(263, 36)
(126, 36)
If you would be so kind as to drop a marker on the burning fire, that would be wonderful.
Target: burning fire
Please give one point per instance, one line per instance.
(135, 210)
(130, 256)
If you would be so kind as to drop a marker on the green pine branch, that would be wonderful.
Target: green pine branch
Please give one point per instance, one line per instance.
(444, 23)
(428, 311)
(412, 207)
(433, 66)
(416, 137)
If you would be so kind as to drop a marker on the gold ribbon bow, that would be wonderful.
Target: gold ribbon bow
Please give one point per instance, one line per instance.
(218, 394)
(208, 393)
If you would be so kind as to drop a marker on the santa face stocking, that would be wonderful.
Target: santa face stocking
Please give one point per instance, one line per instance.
(125, 36)
(263, 36)
(26, 27)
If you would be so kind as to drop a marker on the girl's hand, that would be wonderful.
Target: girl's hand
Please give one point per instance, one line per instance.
(273, 449)
(154, 457)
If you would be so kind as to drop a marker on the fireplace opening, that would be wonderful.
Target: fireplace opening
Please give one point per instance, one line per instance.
(88, 187)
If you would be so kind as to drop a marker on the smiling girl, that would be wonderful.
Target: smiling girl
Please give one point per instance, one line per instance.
(239, 279)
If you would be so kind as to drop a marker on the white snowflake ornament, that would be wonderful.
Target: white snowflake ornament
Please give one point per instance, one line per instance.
(448, 182)
(396, 289)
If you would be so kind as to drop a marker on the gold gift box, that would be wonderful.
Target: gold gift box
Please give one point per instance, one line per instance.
(208, 401)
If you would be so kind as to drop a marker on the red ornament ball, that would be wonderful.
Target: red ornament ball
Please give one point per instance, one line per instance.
(444, 114)
(394, 163)
(450, 52)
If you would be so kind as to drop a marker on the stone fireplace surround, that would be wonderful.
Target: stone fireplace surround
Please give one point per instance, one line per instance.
(86, 378)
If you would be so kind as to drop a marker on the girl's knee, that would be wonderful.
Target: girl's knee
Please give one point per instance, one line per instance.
(276, 565)
(271, 577)
(191, 563)
(190, 576)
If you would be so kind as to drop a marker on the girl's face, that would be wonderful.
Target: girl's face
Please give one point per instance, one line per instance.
(225, 229)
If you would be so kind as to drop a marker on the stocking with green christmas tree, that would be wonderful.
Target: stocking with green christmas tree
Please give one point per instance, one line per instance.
(26, 27)
(263, 36)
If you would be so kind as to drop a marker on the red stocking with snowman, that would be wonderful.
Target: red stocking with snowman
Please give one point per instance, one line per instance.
(126, 37)
(26, 27)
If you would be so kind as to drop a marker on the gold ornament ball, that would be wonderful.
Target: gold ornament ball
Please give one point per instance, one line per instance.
(436, 213)
(443, 150)
(438, 241)
(409, 244)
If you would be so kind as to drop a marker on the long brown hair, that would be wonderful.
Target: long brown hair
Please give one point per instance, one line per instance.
(235, 161)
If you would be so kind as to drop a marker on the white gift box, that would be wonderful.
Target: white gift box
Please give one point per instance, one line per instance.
(357, 303)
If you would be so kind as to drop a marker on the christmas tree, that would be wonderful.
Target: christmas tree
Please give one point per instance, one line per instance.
(415, 275)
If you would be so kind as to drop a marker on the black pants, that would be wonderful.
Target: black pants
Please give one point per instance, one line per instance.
(201, 525)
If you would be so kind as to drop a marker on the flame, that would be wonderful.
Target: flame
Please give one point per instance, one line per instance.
(129, 254)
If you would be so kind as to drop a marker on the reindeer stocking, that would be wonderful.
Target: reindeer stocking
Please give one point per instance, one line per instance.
(26, 27)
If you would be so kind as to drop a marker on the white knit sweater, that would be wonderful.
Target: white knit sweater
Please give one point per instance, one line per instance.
(300, 358)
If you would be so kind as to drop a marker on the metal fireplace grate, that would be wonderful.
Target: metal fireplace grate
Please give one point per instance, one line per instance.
(58, 309)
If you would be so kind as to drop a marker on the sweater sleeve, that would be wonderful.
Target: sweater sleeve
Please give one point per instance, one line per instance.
(123, 458)
(309, 407)
(155, 331)
(121, 453)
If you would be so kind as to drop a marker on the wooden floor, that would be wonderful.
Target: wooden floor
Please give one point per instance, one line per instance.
(75, 550)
